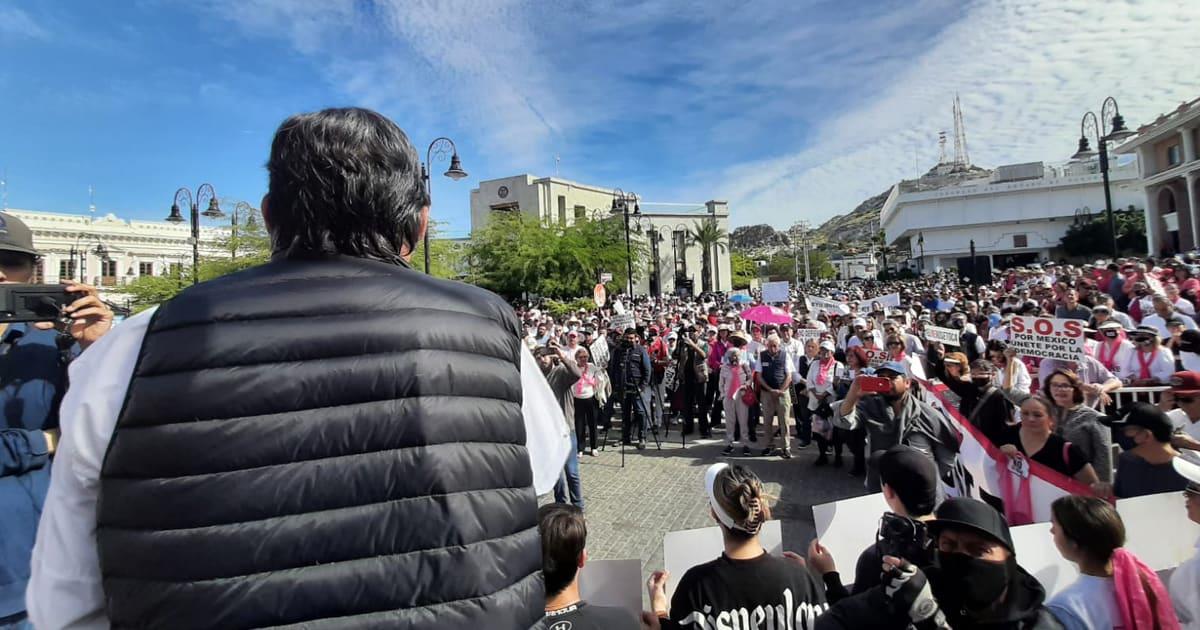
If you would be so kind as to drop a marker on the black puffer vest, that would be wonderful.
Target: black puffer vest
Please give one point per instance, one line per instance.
(333, 442)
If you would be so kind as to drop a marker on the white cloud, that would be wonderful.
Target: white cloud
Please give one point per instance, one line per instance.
(16, 23)
(1026, 72)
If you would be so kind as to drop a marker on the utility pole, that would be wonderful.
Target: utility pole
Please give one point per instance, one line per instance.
(800, 233)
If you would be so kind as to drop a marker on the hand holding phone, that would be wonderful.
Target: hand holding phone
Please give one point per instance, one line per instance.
(874, 385)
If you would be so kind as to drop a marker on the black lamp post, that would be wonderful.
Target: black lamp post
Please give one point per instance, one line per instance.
(921, 260)
(242, 209)
(1117, 132)
(438, 149)
(620, 204)
(213, 212)
(100, 250)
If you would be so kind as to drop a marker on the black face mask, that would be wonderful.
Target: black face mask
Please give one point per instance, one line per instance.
(961, 582)
(1124, 441)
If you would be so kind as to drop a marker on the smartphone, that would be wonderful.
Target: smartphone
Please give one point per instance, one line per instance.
(32, 302)
(874, 385)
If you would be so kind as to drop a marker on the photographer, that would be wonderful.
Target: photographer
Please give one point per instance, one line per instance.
(561, 374)
(33, 379)
(629, 370)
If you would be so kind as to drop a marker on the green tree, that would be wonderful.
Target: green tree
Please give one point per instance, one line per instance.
(711, 239)
(446, 257)
(1092, 237)
(743, 269)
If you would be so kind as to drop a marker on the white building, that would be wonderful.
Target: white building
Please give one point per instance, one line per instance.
(109, 252)
(1015, 215)
(663, 226)
(851, 266)
(1170, 178)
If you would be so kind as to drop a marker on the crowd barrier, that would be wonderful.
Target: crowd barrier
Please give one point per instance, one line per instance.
(1129, 395)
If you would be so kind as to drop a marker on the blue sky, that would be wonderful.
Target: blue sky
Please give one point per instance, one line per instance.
(789, 110)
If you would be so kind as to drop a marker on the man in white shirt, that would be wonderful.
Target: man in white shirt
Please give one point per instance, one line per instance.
(1182, 404)
(1181, 305)
(1164, 311)
(100, 431)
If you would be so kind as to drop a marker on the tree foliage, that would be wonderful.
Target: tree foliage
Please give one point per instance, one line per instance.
(708, 236)
(744, 270)
(785, 265)
(516, 254)
(1092, 237)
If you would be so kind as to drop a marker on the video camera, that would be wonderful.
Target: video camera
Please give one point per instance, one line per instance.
(33, 302)
(903, 537)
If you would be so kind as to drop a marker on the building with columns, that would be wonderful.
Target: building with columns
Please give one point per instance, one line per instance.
(663, 227)
(109, 252)
(1169, 173)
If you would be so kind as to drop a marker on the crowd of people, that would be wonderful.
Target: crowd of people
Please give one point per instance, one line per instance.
(215, 463)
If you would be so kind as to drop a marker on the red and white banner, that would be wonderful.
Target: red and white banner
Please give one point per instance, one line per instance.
(1048, 338)
(1022, 489)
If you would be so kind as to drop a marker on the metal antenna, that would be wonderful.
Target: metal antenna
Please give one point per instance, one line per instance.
(962, 161)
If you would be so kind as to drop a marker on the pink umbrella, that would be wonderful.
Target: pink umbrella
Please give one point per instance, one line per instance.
(767, 315)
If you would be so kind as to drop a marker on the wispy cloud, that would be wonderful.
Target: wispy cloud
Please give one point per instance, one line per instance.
(18, 24)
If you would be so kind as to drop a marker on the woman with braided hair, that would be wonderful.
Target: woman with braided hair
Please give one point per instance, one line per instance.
(746, 586)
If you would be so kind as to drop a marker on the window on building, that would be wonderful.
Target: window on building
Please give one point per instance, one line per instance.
(562, 210)
(1020, 240)
(145, 269)
(39, 272)
(1174, 155)
(66, 269)
(680, 239)
(108, 272)
(580, 213)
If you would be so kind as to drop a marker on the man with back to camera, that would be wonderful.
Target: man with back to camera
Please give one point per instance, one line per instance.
(273, 476)
(563, 532)
(33, 377)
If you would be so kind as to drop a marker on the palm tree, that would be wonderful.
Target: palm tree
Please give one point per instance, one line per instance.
(711, 239)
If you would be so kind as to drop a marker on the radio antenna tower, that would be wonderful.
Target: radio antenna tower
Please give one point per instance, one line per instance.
(962, 161)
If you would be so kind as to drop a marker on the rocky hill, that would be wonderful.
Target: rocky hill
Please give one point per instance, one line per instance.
(859, 226)
(754, 237)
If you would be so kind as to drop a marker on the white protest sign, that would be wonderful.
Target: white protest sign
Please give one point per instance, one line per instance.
(804, 334)
(847, 527)
(1037, 554)
(876, 357)
(881, 302)
(775, 292)
(828, 306)
(1047, 337)
(618, 307)
(599, 349)
(620, 322)
(948, 336)
(612, 583)
(1157, 529)
(687, 548)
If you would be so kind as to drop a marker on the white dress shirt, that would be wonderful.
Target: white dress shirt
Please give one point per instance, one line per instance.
(65, 589)
(1162, 366)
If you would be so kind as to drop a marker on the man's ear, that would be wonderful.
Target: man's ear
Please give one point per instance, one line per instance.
(407, 255)
(583, 558)
(266, 214)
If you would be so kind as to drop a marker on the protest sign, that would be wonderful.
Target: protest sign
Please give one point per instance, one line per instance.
(846, 527)
(687, 548)
(620, 322)
(948, 336)
(804, 334)
(599, 350)
(612, 583)
(775, 292)
(1157, 529)
(618, 307)
(876, 357)
(1047, 337)
(879, 303)
(1038, 555)
(828, 306)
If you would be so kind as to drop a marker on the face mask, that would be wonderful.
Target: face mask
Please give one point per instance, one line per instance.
(961, 582)
(982, 382)
(1126, 442)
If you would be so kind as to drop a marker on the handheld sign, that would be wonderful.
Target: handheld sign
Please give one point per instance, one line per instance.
(876, 357)
(621, 322)
(775, 292)
(599, 350)
(804, 334)
(599, 295)
(1047, 337)
(948, 336)
(829, 306)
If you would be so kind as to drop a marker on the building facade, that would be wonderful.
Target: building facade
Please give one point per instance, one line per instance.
(851, 266)
(676, 263)
(1014, 215)
(1169, 174)
(109, 252)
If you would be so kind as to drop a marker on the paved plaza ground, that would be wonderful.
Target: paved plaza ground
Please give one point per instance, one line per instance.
(630, 509)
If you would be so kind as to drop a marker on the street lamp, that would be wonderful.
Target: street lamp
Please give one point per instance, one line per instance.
(213, 212)
(245, 210)
(921, 260)
(100, 250)
(438, 149)
(1117, 132)
(620, 204)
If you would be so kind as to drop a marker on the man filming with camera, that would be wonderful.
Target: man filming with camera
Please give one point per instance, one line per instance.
(629, 370)
(33, 378)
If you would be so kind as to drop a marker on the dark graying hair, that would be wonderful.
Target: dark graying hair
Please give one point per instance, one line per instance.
(344, 181)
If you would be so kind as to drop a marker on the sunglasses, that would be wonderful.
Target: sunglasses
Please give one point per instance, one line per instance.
(895, 343)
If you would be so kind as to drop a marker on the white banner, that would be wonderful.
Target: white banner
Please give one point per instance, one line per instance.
(847, 527)
(620, 322)
(776, 292)
(876, 357)
(612, 583)
(948, 336)
(881, 302)
(687, 548)
(1157, 529)
(828, 306)
(804, 334)
(599, 349)
(1047, 337)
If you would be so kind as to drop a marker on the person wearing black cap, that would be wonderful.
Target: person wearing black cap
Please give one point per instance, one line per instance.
(33, 379)
(973, 583)
(1144, 432)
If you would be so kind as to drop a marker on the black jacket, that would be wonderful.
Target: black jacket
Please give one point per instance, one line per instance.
(334, 442)
(629, 367)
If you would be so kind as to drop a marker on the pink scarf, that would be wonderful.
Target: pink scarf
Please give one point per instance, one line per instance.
(735, 380)
(1132, 578)
(585, 379)
(1109, 359)
(1144, 363)
(824, 370)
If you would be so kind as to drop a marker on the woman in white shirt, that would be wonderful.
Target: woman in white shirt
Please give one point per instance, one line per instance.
(1149, 363)
(1114, 349)
(1185, 580)
(1115, 589)
(823, 375)
(736, 378)
(590, 393)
